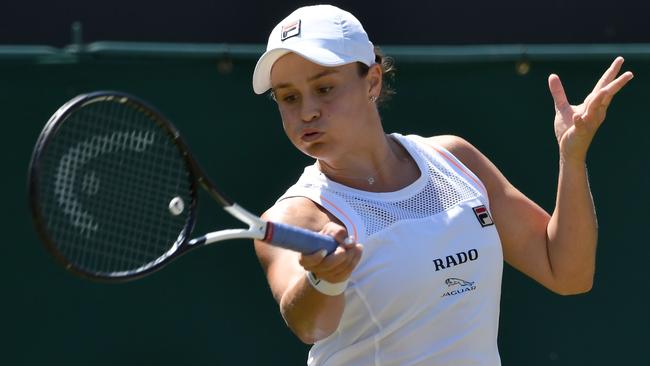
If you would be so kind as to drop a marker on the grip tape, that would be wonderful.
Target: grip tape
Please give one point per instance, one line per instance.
(298, 239)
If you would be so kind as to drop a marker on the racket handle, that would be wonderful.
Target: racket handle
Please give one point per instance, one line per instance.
(298, 239)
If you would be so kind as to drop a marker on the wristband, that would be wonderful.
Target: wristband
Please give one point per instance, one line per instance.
(327, 288)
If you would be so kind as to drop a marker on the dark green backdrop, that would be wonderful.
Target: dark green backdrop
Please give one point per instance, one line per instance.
(213, 307)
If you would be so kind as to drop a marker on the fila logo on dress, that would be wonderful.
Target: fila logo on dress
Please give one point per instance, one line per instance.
(483, 215)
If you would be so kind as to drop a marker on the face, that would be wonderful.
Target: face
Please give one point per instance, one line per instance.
(325, 110)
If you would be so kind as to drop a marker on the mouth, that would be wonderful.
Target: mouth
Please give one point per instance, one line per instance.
(310, 135)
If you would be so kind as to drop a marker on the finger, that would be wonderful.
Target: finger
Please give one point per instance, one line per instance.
(616, 85)
(332, 261)
(603, 97)
(349, 242)
(357, 252)
(609, 74)
(309, 261)
(343, 271)
(557, 91)
(349, 263)
(596, 102)
(340, 259)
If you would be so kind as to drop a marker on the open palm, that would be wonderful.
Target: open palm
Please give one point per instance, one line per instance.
(576, 125)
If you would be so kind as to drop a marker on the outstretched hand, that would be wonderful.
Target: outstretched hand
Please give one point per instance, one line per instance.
(576, 125)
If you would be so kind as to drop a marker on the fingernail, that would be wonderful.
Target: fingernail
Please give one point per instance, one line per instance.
(349, 240)
(323, 253)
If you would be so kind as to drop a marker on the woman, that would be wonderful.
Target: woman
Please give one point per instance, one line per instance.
(435, 216)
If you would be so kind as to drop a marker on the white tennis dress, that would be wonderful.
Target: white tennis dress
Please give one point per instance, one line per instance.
(427, 289)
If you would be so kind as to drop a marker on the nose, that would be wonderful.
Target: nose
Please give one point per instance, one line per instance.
(310, 109)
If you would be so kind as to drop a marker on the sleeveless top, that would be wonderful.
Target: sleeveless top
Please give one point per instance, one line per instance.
(428, 286)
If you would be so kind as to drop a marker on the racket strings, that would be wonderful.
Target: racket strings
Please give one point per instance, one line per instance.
(114, 171)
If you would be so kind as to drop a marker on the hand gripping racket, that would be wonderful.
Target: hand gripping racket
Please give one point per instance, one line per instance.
(113, 192)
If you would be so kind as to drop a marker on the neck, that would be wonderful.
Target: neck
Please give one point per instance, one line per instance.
(369, 168)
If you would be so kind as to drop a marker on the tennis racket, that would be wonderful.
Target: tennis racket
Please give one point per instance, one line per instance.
(113, 192)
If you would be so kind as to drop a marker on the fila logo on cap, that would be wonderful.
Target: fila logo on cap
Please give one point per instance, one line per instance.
(290, 30)
(483, 216)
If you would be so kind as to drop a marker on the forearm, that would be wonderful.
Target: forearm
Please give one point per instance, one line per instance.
(573, 230)
(310, 314)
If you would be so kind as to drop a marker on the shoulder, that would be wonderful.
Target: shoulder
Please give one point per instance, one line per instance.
(456, 145)
(474, 160)
(464, 151)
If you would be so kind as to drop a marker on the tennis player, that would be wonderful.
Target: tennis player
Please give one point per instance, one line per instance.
(435, 216)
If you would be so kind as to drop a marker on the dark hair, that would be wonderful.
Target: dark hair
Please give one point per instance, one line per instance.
(388, 75)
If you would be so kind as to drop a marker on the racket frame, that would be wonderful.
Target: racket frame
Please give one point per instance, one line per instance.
(275, 233)
(50, 129)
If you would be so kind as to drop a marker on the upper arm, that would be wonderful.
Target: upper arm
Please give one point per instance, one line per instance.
(520, 222)
(281, 265)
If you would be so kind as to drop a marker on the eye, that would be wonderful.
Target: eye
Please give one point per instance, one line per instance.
(289, 98)
(324, 89)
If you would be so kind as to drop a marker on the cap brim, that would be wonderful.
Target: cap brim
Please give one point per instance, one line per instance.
(317, 55)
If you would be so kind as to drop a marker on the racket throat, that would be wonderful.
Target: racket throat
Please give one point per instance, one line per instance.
(257, 228)
(255, 224)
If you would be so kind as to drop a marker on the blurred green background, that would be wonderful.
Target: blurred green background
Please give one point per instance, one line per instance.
(213, 306)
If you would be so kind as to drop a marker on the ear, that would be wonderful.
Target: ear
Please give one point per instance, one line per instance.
(374, 79)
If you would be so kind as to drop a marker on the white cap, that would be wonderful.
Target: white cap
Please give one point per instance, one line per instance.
(323, 34)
